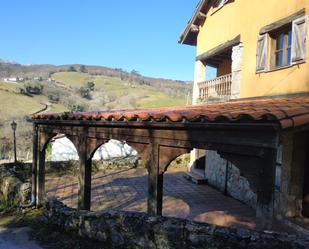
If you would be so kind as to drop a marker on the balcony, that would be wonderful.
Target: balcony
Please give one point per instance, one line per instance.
(218, 89)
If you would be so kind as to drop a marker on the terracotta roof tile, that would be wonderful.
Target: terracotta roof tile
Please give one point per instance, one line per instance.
(288, 112)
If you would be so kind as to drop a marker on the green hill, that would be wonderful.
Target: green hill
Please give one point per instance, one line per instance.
(118, 91)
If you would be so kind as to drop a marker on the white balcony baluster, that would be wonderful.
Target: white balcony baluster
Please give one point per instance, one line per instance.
(218, 88)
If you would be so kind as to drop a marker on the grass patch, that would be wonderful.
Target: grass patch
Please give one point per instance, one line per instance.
(17, 105)
(72, 79)
(146, 96)
(3, 206)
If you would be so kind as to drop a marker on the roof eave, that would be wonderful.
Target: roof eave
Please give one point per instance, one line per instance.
(189, 37)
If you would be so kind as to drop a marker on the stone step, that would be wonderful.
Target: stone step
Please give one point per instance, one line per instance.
(195, 178)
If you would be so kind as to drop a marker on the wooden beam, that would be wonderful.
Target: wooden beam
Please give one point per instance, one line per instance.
(84, 178)
(266, 191)
(155, 183)
(282, 22)
(223, 57)
(201, 16)
(256, 136)
(43, 139)
(219, 49)
(214, 60)
(194, 28)
(34, 163)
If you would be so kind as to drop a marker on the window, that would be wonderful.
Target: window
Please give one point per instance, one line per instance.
(281, 47)
(285, 45)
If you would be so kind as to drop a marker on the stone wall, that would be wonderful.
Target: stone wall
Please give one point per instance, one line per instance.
(13, 191)
(138, 230)
(231, 181)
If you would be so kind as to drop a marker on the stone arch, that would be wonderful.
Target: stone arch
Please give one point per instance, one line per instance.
(169, 154)
(95, 145)
(69, 149)
(43, 139)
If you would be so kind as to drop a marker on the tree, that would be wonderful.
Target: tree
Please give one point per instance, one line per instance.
(85, 92)
(90, 85)
(72, 69)
(135, 72)
(83, 69)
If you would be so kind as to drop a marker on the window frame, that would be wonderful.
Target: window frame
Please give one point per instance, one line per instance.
(274, 36)
(270, 32)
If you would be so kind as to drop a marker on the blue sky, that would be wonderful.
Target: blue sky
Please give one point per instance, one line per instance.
(128, 34)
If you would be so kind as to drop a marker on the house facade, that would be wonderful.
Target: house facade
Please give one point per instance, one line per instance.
(258, 48)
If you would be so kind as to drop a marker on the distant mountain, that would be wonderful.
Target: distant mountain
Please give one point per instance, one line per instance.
(7, 61)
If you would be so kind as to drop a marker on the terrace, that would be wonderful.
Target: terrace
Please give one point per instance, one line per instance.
(245, 132)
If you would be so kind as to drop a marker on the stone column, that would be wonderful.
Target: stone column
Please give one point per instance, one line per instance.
(237, 55)
(199, 76)
(155, 183)
(292, 181)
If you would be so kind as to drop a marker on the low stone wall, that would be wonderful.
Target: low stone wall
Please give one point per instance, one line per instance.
(13, 191)
(139, 230)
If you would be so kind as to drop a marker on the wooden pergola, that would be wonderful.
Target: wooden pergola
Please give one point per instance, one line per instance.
(245, 132)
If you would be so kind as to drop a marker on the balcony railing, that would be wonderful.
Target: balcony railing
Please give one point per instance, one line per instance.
(218, 88)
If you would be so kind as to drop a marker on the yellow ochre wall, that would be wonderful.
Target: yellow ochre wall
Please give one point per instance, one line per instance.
(247, 17)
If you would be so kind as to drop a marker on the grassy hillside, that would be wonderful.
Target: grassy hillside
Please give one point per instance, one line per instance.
(15, 105)
(144, 95)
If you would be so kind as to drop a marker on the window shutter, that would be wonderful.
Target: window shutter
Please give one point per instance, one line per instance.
(299, 39)
(220, 3)
(261, 53)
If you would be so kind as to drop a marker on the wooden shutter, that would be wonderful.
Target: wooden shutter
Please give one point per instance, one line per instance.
(299, 39)
(261, 53)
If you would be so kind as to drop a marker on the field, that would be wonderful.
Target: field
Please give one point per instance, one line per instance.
(14, 105)
(144, 95)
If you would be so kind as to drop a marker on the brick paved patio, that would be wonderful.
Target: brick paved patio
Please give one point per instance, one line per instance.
(127, 190)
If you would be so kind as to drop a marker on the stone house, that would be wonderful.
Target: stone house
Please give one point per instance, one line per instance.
(258, 50)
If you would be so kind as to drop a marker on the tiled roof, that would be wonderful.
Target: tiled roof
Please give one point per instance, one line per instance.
(288, 112)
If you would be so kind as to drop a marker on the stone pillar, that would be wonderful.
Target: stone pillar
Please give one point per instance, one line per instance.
(292, 181)
(199, 76)
(84, 179)
(266, 190)
(237, 54)
(155, 183)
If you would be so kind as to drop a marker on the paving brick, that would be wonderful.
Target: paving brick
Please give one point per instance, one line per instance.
(127, 190)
